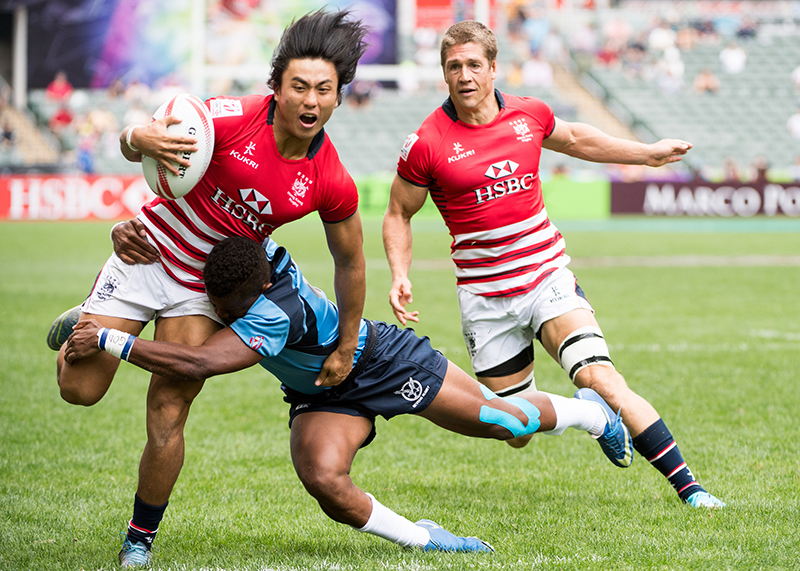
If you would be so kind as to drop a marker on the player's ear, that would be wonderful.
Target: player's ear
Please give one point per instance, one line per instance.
(266, 286)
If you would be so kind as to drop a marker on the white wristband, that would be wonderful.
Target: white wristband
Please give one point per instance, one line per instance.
(128, 139)
(115, 342)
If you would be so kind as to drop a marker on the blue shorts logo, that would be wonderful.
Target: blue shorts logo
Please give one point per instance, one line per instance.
(412, 391)
(105, 291)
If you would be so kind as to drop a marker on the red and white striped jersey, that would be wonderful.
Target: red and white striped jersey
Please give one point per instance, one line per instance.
(248, 190)
(484, 179)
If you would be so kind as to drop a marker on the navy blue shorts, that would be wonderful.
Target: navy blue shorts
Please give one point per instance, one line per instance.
(401, 376)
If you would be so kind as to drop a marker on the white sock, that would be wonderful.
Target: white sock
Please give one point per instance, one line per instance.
(578, 414)
(384, 523)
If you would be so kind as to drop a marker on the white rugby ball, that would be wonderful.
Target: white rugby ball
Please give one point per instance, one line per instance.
(195, 122)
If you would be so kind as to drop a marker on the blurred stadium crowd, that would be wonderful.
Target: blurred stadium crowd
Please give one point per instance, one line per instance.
(723, 75)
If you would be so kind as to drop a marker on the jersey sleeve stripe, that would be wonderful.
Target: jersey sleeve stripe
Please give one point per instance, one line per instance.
(415, 183)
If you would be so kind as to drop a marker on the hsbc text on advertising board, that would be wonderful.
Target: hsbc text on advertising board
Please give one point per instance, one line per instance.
(705, 199)
(65, 197)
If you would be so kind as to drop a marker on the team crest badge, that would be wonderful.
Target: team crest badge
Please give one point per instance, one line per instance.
(299, 189)
(522, 130)
(105, 291)
(411, 390)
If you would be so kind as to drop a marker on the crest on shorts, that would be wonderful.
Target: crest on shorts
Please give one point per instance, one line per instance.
(412, 391)
(105, 291)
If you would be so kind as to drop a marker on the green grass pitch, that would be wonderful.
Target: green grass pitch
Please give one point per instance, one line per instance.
(702, 321)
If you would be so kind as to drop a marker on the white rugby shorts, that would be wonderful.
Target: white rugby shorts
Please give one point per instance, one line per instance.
(143, 292)
(496, 329)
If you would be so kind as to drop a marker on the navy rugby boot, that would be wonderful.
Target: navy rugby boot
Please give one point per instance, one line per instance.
(61, 328)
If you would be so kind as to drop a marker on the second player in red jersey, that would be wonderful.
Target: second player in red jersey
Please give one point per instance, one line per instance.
(478, 157)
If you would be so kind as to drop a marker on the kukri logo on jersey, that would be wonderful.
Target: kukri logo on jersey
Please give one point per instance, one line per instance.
(242, 156)
(502, 172)
(460, 153)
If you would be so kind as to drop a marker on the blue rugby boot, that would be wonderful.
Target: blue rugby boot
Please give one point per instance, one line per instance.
(62, 328)
(134, 554)
(443, 540)
(703, 499)
(615, 441)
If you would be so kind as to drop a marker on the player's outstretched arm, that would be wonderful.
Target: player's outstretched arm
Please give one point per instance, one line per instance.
(155, 141)
(346, 243)
(222, 353)
(405, 200)
(131, 245)
(591, 144)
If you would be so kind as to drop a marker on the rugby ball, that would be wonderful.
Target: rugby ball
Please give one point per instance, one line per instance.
(195, 122)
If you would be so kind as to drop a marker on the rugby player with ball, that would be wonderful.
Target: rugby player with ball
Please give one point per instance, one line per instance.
(269, 162)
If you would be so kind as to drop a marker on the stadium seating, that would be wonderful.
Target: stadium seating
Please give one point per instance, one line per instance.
(745, 119)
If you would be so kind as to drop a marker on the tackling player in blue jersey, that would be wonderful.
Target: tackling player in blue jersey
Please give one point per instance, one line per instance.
(277, 319)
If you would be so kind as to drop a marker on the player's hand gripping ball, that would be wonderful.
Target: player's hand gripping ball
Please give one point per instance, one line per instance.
(195, 122)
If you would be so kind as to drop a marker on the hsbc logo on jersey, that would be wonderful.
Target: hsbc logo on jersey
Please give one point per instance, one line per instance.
(503, 170)
(255, 205)
(256, 200)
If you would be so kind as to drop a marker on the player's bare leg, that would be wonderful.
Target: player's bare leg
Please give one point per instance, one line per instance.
(508, 384)
(576, 342)
(460, 402)
(467, 407)
(323, 445)
(86, 381)
(168, 403)
(637, 413)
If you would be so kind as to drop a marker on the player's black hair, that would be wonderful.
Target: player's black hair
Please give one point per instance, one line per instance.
(329, 36)
(236, 265)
